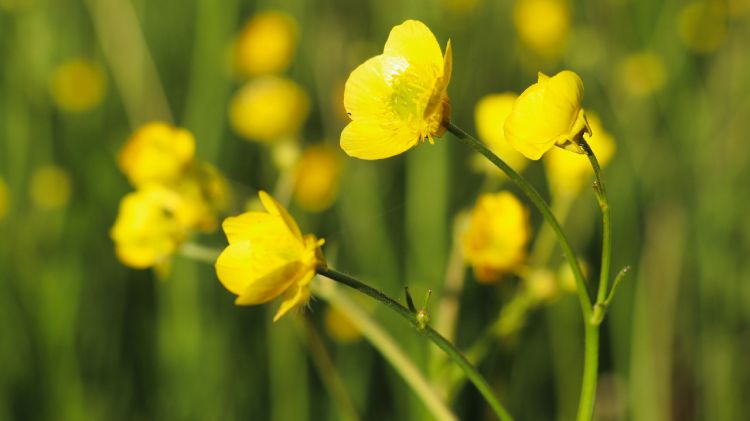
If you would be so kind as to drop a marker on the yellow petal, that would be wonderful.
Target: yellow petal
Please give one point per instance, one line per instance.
(274, 208)
(271, 285)
(296, 295)
(546, 113)
(255, 227)
(368, 140)
(366, 93)
(243, 265)
(414, 40)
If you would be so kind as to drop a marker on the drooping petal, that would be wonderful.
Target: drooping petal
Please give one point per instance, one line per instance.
(298, 294)
(366, 139)
(271, 285)
(244, 264)
(274, 208)
(414, 40)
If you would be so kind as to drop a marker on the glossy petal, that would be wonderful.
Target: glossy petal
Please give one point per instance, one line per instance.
(368, 140)
(414, 41)
(274, 208)
(243, 265)
(270, 286)
(547, 113)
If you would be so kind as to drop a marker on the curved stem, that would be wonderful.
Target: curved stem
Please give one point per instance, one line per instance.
(536, 199)
(601, 197)
(471, 372)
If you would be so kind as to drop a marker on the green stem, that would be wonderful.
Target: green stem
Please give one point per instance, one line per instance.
(536, 199)
(590, 372)
(386, 346)
(601, 197)
(471, 372)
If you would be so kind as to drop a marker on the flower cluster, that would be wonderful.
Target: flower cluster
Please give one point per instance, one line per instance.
(268, 107)
(175, 195)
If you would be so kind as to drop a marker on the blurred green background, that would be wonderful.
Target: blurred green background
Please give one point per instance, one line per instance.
(83, 337)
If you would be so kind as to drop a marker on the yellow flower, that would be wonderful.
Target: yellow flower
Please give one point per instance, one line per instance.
(489, 115)
(542, 25)
(50, 187)
(495, 241)
(643, 73)
(399, 97)
(316, 178)
(157, 152)
(340, 327)
(78, 85)
(702, 25)
(4, 199)
(267, 256)
(541, 284)
(268, 109)
(266, 43)
(566, 172)
(548, 113)
(147, 232)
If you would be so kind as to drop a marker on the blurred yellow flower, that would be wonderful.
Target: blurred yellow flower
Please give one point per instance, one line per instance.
(316, 178)
(266, 43)
(50, 187)
(399, 97)
(268, 108)
(541, 284)
(4, 199)
(702, 25)
(215, 188)
(495, 240)
(147, 232)
(489, 116)
(548, 113)
(78, 85)
(567, 173)
(340, 327)
(267, 256)
(565, 277)
(642, 73)
(542, 25)
(157, 152)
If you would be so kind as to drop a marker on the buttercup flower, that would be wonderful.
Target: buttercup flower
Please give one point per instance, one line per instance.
(268, 109)
(495, 241)
(266, 43)
(542, 25)
(316, 178)
(50, 187)
(267, 257)
(78, 85)
(146, 232)
(548, 113)
(489, 116)
(567, 173)
(156, 153)
(399, 97)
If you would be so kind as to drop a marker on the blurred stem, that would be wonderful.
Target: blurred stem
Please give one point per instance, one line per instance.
(471, 372)
(327, 370)
(127, 54)
(387, 347)
(199, 252)
(541, 205)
